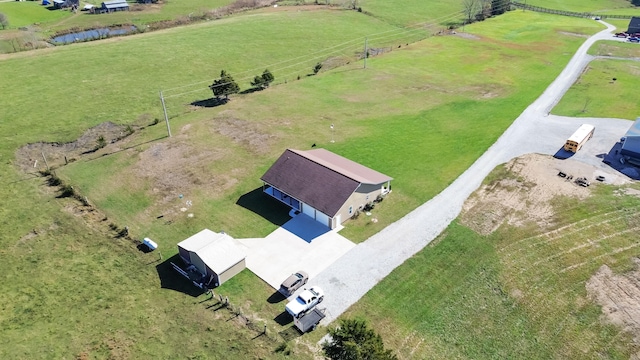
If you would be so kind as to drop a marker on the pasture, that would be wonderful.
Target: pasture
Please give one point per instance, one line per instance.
(421, 113)
(603, 89)
(424, 114)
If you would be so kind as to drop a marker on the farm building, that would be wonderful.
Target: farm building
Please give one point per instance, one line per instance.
(634, 25)
(325, 186)
(216, 256)
(61, 4)
(631, 143)
(111, 6)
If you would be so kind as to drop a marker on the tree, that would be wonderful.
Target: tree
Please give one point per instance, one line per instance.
(499, 7)
(4, 21)
(471, 8)
(316, 69)
(224, 86)
(263, 81)
(267, 77)
(354, 340)
(258, 82)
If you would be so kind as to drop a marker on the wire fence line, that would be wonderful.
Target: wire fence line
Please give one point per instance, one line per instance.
(182, 98)
(569, 13)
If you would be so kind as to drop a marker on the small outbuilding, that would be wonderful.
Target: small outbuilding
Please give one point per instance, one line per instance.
(115, 5)
(217, 256)
(323, 185)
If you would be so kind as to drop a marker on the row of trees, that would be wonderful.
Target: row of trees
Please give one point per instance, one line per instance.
(477, 10)
(226, 85)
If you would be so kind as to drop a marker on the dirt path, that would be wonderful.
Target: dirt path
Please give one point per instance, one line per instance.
(349, 278)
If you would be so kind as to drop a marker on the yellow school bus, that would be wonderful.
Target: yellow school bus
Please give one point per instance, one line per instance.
(575, 142)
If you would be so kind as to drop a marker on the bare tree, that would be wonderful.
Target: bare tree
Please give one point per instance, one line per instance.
(470, 9)
(4, 21)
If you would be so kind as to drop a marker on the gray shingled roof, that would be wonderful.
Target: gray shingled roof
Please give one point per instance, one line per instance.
(320, 178)
(310, 182)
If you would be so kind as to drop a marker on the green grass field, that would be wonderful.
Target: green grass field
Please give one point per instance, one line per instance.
(421, 124)
(421, 113)
(518, 293)
(588, 97)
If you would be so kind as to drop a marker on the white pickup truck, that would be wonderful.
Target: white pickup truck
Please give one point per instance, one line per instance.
(305, 301)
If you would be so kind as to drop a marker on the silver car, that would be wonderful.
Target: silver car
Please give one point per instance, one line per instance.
(293, 283)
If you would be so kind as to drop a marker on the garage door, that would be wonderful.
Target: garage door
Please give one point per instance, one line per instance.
(322, 218)
(309, 211)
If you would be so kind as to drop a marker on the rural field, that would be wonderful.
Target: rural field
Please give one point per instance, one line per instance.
(603, 90)
(422, 111)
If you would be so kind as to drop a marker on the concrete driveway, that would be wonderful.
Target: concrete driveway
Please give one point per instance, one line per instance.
(300, 244)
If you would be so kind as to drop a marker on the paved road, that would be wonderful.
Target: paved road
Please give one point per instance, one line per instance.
(356, 272)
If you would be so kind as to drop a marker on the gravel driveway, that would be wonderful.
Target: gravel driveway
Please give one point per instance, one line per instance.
(352, 275)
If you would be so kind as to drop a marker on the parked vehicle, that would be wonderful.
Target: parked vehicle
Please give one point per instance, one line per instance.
(621, 35)
(310, 320)
(582, 181)
(305, 301)
(578, 138)
(634, 39)
(293, 283)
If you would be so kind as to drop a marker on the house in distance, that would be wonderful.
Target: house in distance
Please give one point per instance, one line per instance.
(324, 186)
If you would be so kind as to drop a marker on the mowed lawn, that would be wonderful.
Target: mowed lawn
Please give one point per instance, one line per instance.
(605, 88)
(518, 293)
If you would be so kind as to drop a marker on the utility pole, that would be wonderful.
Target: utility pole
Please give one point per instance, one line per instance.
(166, 118)
(366, 50)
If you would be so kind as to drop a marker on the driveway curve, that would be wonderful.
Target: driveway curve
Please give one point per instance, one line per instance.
(361, 268)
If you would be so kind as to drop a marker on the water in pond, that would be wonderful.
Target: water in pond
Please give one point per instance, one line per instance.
(94, 34)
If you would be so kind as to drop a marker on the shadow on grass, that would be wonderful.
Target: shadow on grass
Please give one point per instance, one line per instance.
(171, 279)
(290, 333)
(144, 248)
(250, 90)
(276, 297)
(209, 103)
(264, 205)
(127, 148)
(283, 318)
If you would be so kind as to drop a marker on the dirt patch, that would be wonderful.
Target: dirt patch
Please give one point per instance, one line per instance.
(465, 35)
(175, 168)
(523, 193)
(619, 296)
(247, 134)
(30, 156)
(573, 34)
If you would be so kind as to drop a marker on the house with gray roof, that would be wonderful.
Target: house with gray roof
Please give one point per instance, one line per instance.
(324, 186)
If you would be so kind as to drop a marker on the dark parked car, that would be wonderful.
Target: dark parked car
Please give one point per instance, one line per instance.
(293, 283)
(634, 39)
(621, 35)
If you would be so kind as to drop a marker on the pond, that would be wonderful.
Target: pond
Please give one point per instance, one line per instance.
(94, 34)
